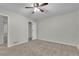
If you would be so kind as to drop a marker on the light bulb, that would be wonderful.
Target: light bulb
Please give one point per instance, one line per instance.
(36, 9)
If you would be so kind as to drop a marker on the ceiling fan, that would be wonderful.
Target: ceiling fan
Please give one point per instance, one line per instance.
(37, 7)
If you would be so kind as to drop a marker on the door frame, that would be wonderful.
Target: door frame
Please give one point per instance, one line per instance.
(30, 31)
(34, 30)
(7, 31)
(3, 30)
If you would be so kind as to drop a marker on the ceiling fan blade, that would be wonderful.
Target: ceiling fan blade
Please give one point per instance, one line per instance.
(44, 4)
(37, 4)
(41, 10)
(28, 7)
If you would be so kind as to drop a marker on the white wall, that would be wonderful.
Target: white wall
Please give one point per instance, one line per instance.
(17, 27)
(60, 29)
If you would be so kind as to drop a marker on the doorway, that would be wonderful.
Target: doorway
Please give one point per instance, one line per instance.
(3, 31)
(29, 31)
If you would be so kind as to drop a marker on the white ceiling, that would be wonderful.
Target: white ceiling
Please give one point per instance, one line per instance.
(51, 10)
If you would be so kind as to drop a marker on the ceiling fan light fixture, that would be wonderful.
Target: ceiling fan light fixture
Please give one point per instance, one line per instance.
(36, 9)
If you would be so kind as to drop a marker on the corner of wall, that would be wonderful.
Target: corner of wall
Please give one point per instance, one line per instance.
(10, 45)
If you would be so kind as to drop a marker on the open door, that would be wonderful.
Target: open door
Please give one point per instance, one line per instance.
(29, 31)
(3, 30)
(32, 30)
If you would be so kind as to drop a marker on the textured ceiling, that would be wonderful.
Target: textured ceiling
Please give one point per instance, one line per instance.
(52, 9)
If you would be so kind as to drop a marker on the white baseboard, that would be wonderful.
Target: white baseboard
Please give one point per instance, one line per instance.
(71, 44)
(10, 45)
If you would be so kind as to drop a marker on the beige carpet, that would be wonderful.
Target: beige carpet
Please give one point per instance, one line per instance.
(40, 48)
